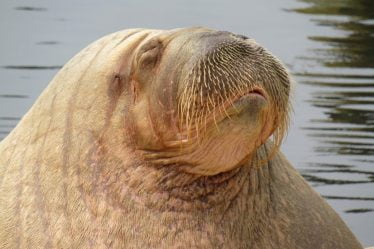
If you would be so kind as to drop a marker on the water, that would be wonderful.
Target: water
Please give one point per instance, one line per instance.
(328, 46)
(337, 71)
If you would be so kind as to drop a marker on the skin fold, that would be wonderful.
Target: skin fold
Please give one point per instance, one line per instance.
(162, 139)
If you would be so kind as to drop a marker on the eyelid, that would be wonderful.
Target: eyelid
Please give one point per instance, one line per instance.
(150, 53)
(150, 45)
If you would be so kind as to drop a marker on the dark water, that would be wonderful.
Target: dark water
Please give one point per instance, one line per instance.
(328, 46)
(339, 78)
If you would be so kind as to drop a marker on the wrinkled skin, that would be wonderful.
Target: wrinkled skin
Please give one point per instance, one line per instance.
(161, 139)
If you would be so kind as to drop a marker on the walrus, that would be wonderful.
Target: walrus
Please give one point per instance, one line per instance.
(162, 139)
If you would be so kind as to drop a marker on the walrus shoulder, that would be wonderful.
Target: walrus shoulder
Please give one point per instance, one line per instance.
(308, 220)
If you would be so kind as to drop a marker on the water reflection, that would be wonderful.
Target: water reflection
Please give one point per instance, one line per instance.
(355, 49)
(315, 169)
(30, 8)
(14, 96)
(359, 210)
(344, 89)
(31, 67)
(47, 43)
(348, 198)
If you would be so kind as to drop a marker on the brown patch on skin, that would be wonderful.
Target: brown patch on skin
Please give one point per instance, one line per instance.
(160, 139)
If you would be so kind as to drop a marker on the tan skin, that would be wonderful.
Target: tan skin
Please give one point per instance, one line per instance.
(126, 148)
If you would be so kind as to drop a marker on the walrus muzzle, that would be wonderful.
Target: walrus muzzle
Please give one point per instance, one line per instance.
(228, 95)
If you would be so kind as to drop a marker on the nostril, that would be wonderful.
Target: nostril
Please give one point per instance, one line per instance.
(241, 36)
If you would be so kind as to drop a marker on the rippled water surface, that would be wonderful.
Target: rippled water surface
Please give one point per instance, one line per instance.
(327, 45)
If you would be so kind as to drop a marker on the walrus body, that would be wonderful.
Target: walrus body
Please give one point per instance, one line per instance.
(160, 139)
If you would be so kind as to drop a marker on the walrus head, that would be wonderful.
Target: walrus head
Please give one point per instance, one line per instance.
(140, 112)
(197, 100)
(205, 100)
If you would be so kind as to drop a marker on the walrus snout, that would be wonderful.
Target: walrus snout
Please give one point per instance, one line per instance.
(227, 68)
(232, 84)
